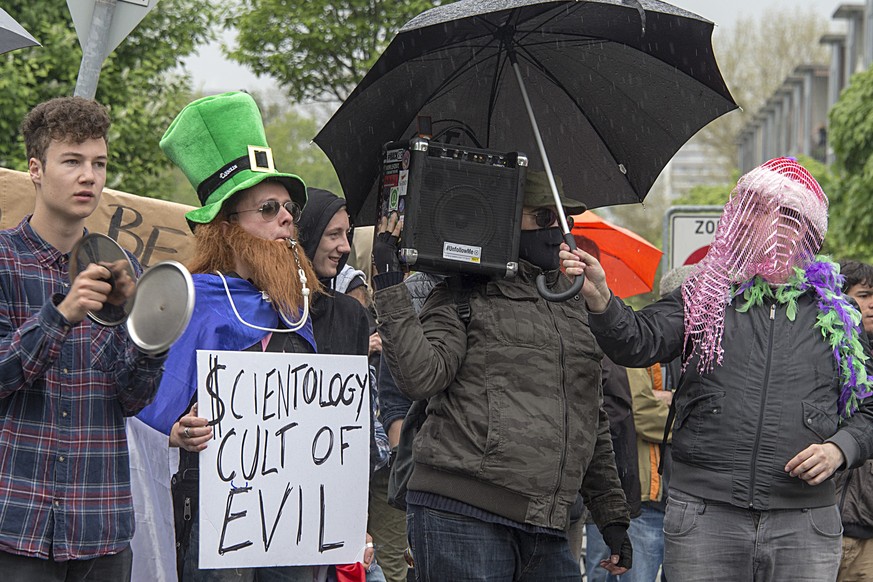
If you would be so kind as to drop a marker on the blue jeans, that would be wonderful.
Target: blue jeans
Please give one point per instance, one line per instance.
(375, 574)
(647, 538)
(192, 572)
(448, 546)
(717, 542)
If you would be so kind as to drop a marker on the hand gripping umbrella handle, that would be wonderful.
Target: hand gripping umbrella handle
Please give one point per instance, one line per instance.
(574, 289)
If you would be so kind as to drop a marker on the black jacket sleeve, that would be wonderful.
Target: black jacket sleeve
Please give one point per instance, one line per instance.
(638, 339)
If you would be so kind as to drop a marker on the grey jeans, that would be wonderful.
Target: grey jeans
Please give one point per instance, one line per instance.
(715, 542)
(111, 568)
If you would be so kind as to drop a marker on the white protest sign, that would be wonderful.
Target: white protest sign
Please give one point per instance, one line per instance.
(284, 480)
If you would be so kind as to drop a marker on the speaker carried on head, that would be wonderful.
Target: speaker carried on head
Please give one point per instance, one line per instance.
(460, 207)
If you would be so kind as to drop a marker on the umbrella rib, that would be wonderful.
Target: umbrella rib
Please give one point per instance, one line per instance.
(470, 64)
(546, 73)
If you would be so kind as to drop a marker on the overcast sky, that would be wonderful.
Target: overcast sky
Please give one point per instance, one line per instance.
(213, 73)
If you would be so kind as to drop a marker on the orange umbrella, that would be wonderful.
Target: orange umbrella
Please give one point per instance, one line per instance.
(630, 261)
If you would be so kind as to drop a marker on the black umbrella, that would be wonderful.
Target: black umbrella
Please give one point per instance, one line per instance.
(616, 87)
(12, 35)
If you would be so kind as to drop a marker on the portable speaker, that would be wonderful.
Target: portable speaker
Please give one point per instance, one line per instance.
(460, 207)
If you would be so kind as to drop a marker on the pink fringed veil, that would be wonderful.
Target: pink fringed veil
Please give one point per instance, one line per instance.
(775, 220)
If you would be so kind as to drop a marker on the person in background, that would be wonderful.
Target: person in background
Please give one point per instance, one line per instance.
(618, 403)
(339, 322)
(66, 382)
(389, 522)
(670, 374)
(774, 393)
(854, 487)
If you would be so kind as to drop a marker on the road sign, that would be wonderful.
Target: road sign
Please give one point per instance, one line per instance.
(101, 25)
(688, 232)
(127, 14)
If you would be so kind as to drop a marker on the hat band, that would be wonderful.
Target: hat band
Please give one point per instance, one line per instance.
(259, 159)
(214, 182)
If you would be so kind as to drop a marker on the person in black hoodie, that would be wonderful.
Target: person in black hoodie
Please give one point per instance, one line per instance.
(325, 235)
(339, 322)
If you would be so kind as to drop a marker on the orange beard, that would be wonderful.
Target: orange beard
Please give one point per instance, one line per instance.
(271, 263)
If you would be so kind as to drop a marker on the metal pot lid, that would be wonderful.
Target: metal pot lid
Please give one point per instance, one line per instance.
(99, 248)
(162, 307)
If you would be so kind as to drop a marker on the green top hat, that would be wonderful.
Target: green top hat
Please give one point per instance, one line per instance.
(220, 145)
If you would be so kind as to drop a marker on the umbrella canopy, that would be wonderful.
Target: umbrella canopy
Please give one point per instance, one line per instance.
(12, 35)
(618, 86)
(629, 260)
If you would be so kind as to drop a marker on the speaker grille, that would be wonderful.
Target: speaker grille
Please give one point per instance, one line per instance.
(466, 203)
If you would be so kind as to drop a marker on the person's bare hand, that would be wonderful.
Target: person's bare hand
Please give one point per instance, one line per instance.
(87, 293)
(191, 433)
(369, 553)
(665, 396)
(391, 224)
(611, 565)
(816, 463)
(375, 343)
(594, 290)
(123, 284)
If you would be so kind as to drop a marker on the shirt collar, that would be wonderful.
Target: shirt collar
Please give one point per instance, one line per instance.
(45, 253)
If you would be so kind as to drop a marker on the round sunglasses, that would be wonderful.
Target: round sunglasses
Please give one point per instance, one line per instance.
(546, 217)
(270, 210)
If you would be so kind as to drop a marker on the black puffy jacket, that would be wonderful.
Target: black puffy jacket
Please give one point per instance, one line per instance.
(774, 394)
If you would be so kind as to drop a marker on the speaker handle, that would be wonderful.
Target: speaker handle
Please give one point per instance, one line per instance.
(574, 289)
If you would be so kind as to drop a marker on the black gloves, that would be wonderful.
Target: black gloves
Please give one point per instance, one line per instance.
(615, 536)
(386, 261)
(385, 256)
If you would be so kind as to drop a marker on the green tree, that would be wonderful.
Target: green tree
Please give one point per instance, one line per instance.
(317, 50)
(755, 55)
(851, 191)
(141, 83)
(289, 133)
(705, 195)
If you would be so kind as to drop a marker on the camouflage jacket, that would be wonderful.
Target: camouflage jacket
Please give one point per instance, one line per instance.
(515, 424)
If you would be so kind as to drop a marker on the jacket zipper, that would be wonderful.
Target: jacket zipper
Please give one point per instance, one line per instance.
(566, 421)
(752, 472)
(845, 490)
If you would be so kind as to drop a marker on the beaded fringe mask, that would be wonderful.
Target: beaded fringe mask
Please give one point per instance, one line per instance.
(775, 220)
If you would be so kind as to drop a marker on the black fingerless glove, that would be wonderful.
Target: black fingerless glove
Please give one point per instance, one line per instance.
(385, 257)
(386, 261)
(615, 536)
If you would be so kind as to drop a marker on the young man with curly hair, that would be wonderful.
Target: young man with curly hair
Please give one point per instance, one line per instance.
(66, 383)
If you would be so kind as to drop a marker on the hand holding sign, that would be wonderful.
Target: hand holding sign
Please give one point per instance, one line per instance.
(191, 433)
(285, 481)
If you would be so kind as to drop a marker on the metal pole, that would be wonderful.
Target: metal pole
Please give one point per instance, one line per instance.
(94, 51)
(542, 288)
(542, 149)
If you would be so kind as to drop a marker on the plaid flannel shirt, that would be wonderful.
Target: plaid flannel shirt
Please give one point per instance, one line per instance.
(64, 392)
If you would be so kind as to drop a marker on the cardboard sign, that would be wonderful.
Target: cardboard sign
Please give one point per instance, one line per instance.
(284, 480)
(153, 230)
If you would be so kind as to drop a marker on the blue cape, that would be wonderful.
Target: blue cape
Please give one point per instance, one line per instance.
(213, 326)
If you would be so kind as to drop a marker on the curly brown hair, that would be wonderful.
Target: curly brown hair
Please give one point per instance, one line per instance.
(64, 118)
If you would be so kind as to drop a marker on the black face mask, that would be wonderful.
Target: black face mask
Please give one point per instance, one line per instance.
(541, 247)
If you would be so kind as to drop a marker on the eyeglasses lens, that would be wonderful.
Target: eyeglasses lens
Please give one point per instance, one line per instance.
(546, 217)
(270, 209)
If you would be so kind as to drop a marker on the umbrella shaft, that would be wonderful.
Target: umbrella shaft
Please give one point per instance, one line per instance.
(542, 149)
